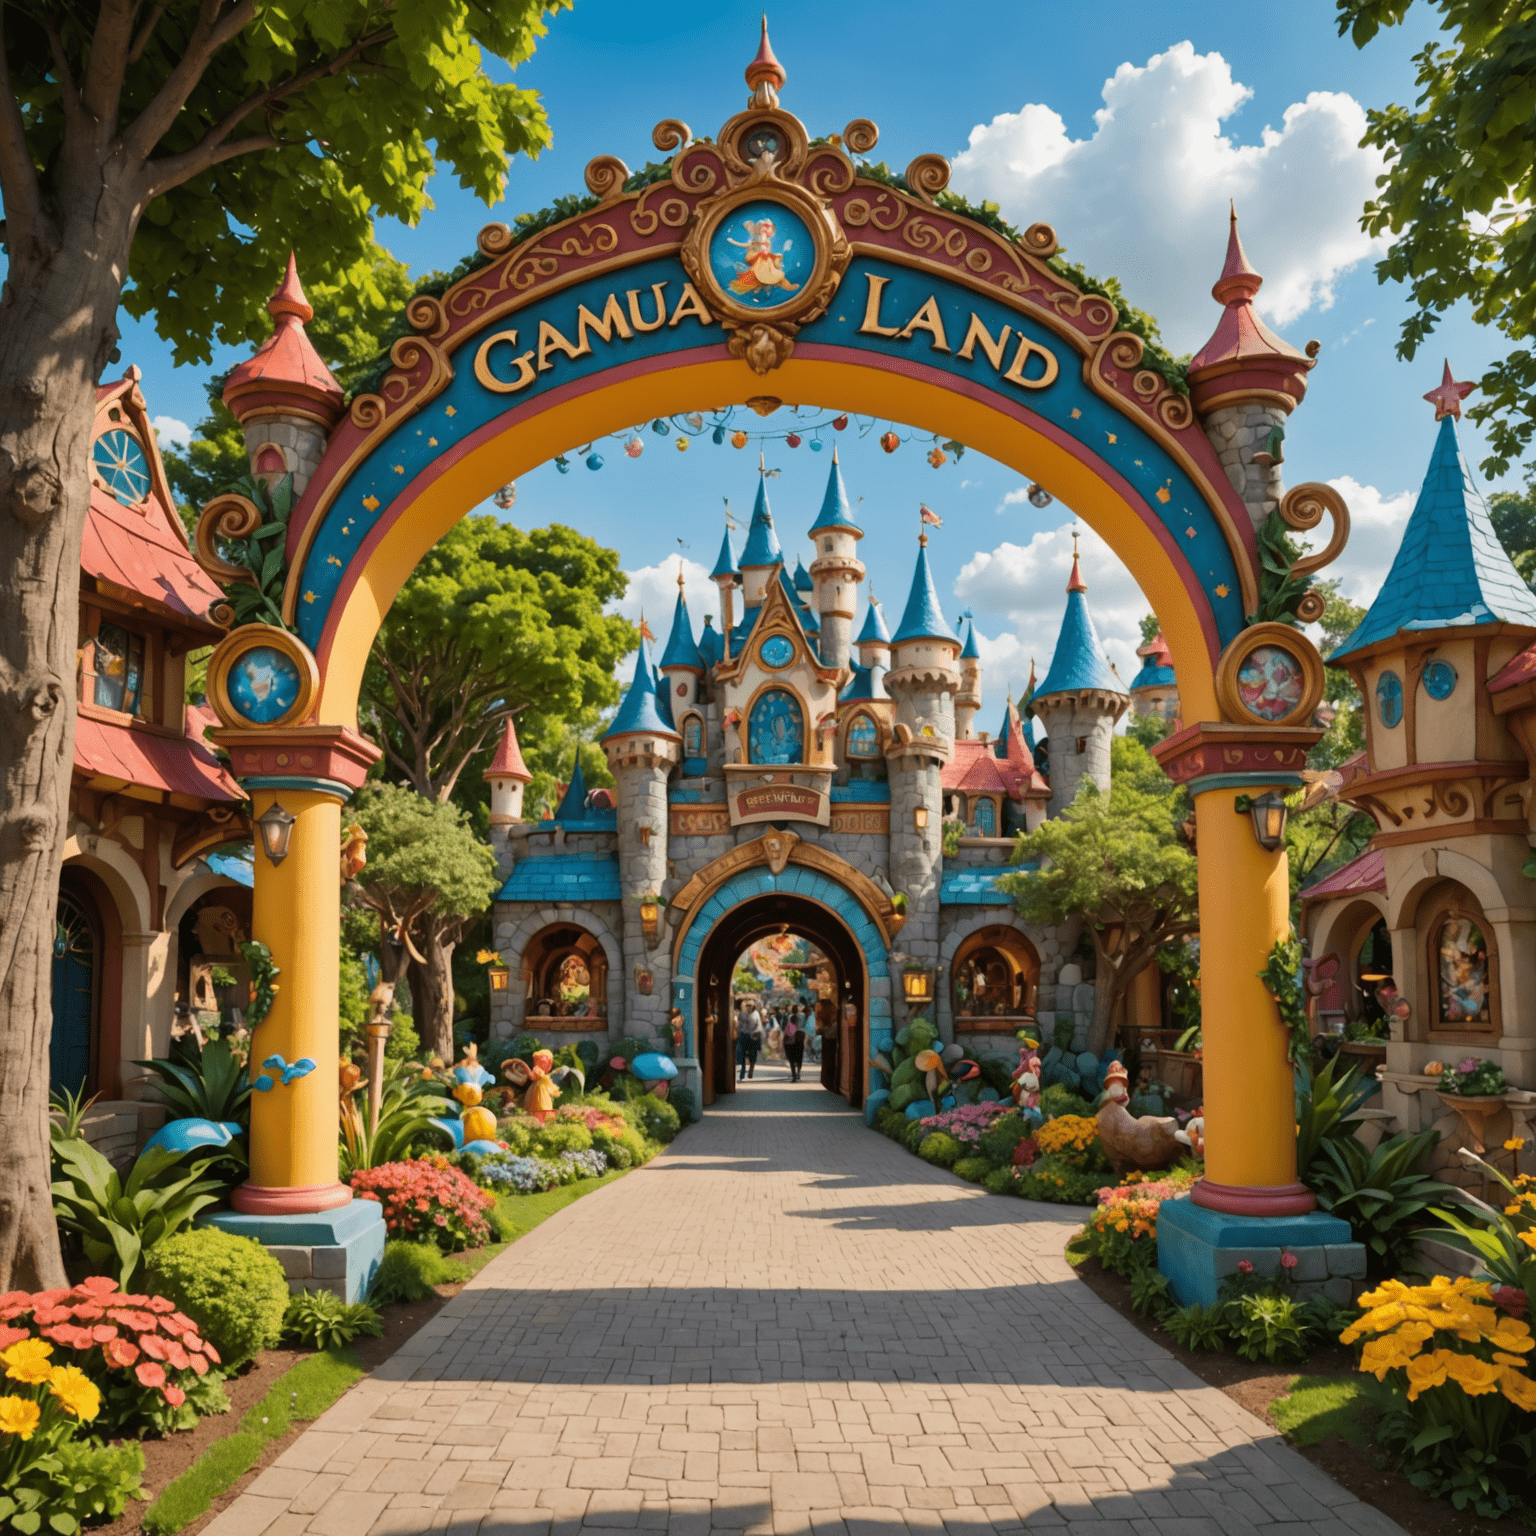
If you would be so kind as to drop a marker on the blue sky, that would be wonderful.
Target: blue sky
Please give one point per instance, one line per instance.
(1128, 126)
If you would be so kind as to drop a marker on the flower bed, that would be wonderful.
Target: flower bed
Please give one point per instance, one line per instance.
(427, 1201)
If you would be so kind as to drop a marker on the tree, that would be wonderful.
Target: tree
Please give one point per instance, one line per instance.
(1119, 863)
(1514, 520)
(179, 147)
(1461, 164)
(427, 878)
(1341, 618)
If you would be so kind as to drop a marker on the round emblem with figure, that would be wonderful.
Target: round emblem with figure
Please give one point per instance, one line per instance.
(777, 651)
(262, 676)
(1271, 675)
(263, 685)
(763, 254)
(1439, 679)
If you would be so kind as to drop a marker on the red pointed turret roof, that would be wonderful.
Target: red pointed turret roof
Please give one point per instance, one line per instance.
(1244, 359)
(765, 67)
(286, 375)
(508, 762)
(975, 768)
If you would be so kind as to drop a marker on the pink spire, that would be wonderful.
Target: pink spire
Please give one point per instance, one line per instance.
(765, 75)
(1238, 280)
(1156, 651)
(289, 298)
(508, 762)
(1076, 584)
(286, 376)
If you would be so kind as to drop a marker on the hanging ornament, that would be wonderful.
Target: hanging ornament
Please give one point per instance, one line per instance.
(562, 463)
(506, 496)
(694, 420)
(634, 447)
(738, 439)
(816, 445)
(682, 445)
(938, 457)
(594, 461)
(1039, 496)
(793, 440)
(718, 434)
(890, 442)
(839, 423)
(660, 428)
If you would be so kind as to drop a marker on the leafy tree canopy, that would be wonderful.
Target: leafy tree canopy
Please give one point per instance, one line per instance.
(1460, 181)
(1514, 520)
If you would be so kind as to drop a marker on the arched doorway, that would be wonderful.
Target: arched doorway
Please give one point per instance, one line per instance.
(994, 979)
(565, 971)
(77, 966)
(843, 1054)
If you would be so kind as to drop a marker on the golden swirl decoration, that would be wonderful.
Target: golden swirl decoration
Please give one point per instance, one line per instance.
(494, 240)
(1311, 606)
(367, 411)
(884, 212)
(222, 614)
(605, 176)
(1302, 508)
(408, 354)
(923, 236)
(860, 136)
(528, 268)
(1146, 383)
(427, 316)
(671, 133)
(698, 173)
(1453, 800)
(1123, 350)
(831, 172)
(466, 299)
(1175, 412)
(979, 259)
(1039, 240)
(927, 176)
(228, 516)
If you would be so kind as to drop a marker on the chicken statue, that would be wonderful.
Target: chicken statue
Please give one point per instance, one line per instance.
(1147, 1143)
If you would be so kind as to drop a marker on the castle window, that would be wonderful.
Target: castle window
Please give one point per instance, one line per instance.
(1461, 966)
(994, 980)
(986, 818)
(776, 728)
(693, 737)
(1461, 953)
(863, 737)
(119, 669)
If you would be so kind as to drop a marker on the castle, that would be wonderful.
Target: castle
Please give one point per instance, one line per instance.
(786, 773)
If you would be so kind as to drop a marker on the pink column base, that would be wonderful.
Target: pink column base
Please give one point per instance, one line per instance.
(1243, 1200)
(289, 1200)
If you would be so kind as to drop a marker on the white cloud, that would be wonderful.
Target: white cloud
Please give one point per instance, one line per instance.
(1144, 197)
(1376, 524)
(169, 430)
(652, 591)
(1023, 588)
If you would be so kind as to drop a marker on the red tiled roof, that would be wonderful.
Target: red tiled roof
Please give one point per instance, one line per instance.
(976, 769)
(508, 761)
(111, 749)
(285, 370)
(1520, 669)
(1368, 872)
(139, 552)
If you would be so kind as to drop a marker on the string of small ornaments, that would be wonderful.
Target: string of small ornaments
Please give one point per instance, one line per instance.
(723, 427)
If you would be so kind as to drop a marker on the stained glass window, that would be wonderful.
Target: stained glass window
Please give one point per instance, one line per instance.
(863, 738)
(119, 669)
(776, 728)
(1463, 956)
(123, 468)
(986, 819)
(693, 737)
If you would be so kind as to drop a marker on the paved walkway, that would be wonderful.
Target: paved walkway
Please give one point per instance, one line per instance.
(787, 1323)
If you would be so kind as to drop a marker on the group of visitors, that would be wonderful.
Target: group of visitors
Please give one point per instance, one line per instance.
(785, 1030)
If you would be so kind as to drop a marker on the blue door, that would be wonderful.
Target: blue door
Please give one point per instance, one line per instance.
(74, 995)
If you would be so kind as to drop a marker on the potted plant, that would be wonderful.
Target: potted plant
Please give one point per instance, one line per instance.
(1475, 1088)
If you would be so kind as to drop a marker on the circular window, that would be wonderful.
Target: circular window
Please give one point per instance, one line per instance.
(1439, 679)
(1270, 682)
(760, 141)
(776, 651)
(124, 470)
(1389, 699)
(264, 684)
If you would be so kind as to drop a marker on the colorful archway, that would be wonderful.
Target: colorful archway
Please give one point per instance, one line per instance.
(887, 301)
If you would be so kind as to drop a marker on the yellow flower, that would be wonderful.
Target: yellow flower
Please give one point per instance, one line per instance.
(1426, 1372)
(1501, 1358)
(1383, 1355)
(1473, 1376)
(28, 1361)
(1518, 1388)
(19, 1416)
(1513, 1334)
(1515, 1144)
(1528, 1237)
(76, 1391)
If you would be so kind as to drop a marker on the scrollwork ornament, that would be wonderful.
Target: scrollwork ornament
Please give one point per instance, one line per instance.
(426, 315)
(605, 176)
(860, 136)
(671, 134)
(494, 240)
(927, 175)
(1302, 508)
(229, 516)
(1039, 240)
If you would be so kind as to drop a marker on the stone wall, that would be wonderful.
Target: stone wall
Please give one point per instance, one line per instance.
(1237, 432)
(1071, 718)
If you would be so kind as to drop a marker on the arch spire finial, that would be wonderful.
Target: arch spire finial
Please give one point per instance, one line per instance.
(1076, 584)
(765, 75)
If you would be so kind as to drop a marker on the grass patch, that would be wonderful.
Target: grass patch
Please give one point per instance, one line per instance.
(301, 1393)
(1319, 1406)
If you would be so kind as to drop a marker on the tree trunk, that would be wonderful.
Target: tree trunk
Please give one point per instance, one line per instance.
(57, 329)
(432, 995)
(1106, 993)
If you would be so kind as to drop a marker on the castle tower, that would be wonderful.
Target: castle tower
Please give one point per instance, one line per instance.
(508, 776)
(681, 664)
(1244, 382)
(874, 644)
(726, 578)
(1155, 689)
(762, 558)
(1079, 701)
(642, 750)
(284, 397)
(836, 570)
(924, 681)
(968, 700)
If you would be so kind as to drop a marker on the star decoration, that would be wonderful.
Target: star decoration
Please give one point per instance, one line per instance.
(1448, 397)
(1223, 590)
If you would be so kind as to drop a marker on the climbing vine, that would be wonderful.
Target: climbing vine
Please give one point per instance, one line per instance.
(258, 598)
(1280, 589)
(1282, 976)
(264, 974)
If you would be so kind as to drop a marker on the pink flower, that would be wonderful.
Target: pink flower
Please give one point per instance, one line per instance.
(174, 1396)
(1244, 1267)
(120, 1352)
(1288, 1261)
(150, 1374)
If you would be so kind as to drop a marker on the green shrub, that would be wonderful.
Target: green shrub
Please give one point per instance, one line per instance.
(203, 1083)
(1058, 1100)
(322, 1320)
(685, 1103)
(561, 1136)
(518, 1137)
(890, 1122)
(71, 1484)
(1000, 1181)
(1055, 1179)
(409, 1272)
(997, 1143)
(230, 1286)
(1381, 1193)
(503, 1227)
(654, 1118)
(1266, 1327)
(939, 1148)
(972, 1169)
(1150, 1292)
(1195, 1327)
(609, 1144)
(404, 1044)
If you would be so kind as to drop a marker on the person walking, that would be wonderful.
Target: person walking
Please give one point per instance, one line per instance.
(749, 1040)
(794, 1046)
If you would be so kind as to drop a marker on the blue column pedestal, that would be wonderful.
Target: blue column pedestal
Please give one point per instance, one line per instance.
(335, 1251)
(1197, 1249)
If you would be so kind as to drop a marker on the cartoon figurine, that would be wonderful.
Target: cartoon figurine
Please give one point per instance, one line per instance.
(761, 266)
(354, 852)
(539, 1100)
(1026, 1083)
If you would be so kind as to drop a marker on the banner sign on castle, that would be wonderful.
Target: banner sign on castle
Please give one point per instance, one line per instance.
(780, 802)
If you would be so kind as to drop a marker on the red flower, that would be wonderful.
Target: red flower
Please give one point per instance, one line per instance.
(9, 1336)
(140, 1322)
(161, 1304)
(211, 1352)
(20, 1300)
(174, 1396)
(120, 1352)
(49, 1298)
(88, 1312)
(97, 1285)
(102, 1332)
(46, 1315)
(199, 1365)
(181, 1322)
(150, 1374)
(155, 1347)
(70, 1336)
(176, 1357)
(1511, 1299)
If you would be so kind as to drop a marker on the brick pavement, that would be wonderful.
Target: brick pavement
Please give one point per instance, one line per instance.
(788, 1324)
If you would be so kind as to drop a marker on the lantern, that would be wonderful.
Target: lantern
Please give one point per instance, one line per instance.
(500, 975)
(276, 827)
(1268, 814)
(917, 985)
(650, 918)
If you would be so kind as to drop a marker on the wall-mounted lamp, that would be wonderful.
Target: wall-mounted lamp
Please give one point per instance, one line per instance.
(917, 986)
(1268, 814)
(499, 974)
(276, 827)
(920, 817)
(650, 918)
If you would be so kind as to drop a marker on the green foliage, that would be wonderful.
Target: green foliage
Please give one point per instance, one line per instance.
(1150, 1292)
(71, 1108)
(1498, 1242)
(972, 1169)
(1000, 1181)
(300, 1394)
(1465, 1450)
(74, 1484)
(406, 1109)
(210, 1083)
(1282, 975)
(1460, 163)
(685, 1102)
(117, 1223)
(912, 1134)
(230, 1286)
(998, 1141)
(1514, 520)
(1196, 1327)
(1266, 1327)
(1059, 1100)
(352, 1003)
(561, 1136)
(1326, 1103)
(322, 1320)
(213, 461)
(1317, 1407)
(264, 973)
(940, 1149)
(262, 553)
(410, 1272)
(1279, 589)
(1056, 1179)
(654, 1118)
(1382, 1194)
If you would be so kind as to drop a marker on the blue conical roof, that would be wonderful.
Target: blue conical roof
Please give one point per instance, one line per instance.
(573, 804)
(803, 582)
(923, 619)
(874, 631)
(835, 510)
(1079, 661)
(726, 564)
(682, 650)
(968, 651)
(638, 710)
(762, 542)
(711, 647)
(1450, 568)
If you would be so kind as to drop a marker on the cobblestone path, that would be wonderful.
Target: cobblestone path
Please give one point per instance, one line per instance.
(786, 1323)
